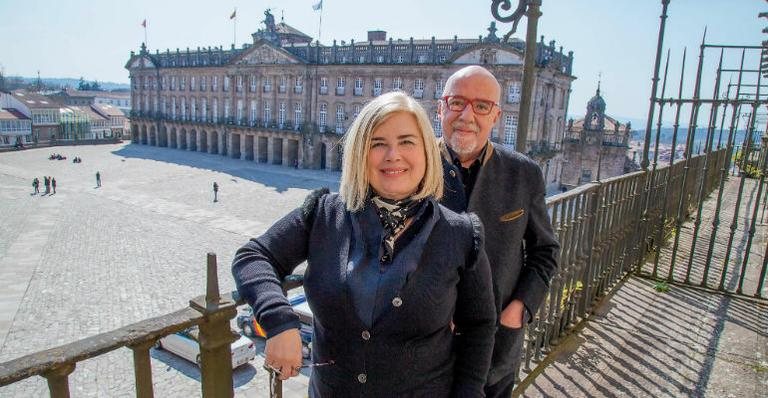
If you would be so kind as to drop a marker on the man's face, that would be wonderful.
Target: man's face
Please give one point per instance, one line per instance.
(466, 132)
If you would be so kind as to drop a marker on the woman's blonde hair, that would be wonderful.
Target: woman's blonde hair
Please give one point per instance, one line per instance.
(355, 185)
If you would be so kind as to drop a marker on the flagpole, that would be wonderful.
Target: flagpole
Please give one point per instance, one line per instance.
(234, 35)
(320, 25)
(144, 25)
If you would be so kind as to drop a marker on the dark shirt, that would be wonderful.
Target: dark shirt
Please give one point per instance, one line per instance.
(468, 175)
(373, 282)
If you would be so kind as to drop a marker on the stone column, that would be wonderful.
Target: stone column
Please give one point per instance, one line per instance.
(270, 149)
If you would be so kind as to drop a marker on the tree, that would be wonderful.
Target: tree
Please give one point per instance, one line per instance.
(83, 85)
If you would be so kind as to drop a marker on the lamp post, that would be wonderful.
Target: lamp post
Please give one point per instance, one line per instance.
(532, 10)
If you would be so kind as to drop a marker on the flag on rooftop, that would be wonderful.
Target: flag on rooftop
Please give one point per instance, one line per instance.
(318, 5)
(144, 23)
(234, 14)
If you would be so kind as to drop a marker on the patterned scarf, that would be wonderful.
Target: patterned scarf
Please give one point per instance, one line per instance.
(393, 214)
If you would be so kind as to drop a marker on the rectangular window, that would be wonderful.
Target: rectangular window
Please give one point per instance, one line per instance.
(192, 83)
(239, 115)
(239, 82)
(215, 110)
(298, 87)
(253, 84)
(513, 93)
(297, 118)
(283, 84)
(215, 83)
(323, 85)
(267, 84)
(323, 117)
(281, 115)
(340, 85)
(510, 129)
(226, 112)
(254, 112)
(377, 84)
(437, 125)
(418, 88)
(397, 84)
(226, 83)
(267, 114)
(183, 83)
(340, 118)
(356, 108)
(203, 83)
(438, 89)
(204, 110)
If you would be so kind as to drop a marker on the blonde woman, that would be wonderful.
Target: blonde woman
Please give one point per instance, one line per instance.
(399, 285)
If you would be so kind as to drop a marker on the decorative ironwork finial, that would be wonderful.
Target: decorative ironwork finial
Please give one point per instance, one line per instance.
(506, 5)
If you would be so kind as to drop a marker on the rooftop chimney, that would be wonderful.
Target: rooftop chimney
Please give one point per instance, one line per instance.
(377, 35)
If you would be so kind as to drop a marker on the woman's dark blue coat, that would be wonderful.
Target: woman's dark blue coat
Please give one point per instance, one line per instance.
(411, 349)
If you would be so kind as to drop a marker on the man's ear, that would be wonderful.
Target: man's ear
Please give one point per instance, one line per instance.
(496, 114)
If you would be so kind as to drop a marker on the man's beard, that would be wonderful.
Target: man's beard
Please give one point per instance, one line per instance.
(462, 147)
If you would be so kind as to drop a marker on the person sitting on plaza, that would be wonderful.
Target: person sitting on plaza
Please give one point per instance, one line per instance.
(399, 285)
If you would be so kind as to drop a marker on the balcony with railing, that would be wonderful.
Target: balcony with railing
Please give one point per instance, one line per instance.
(607, 230)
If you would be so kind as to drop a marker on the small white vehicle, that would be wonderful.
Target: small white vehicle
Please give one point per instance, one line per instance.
(185, 344)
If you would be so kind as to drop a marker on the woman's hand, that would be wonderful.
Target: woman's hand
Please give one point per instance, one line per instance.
(283, 353)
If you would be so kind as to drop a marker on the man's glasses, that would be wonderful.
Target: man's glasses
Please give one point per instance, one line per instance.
(457, 103)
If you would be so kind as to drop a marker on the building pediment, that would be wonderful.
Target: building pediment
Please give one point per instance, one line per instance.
(140, 62)
(264, 53)
(488, 54)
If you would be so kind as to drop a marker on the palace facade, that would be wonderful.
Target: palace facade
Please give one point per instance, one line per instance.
(285, 100)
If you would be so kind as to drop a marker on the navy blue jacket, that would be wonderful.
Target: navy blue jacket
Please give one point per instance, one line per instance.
(410, 351)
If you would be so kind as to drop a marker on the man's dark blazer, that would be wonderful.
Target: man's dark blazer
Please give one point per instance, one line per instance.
(508, 196)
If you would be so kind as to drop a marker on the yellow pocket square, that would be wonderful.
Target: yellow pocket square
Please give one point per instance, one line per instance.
(512, 215)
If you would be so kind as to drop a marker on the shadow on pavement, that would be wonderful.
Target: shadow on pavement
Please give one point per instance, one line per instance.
(240, 376)
(279, 177)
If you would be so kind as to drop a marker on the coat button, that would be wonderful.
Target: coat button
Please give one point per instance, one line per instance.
(366, 335)
(452, 173)
(397, 301)
(362, 378)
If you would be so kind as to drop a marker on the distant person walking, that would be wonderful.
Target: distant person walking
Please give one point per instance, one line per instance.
(47, 183)
(36, 186)
(53, 184)
(98, 180)
(215, 192)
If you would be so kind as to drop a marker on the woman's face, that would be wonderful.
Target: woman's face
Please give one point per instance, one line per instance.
(396, 159)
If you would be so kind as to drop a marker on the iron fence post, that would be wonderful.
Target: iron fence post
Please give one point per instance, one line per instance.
(215, 337)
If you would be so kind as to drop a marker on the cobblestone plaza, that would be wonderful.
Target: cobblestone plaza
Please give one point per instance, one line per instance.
(88, 260)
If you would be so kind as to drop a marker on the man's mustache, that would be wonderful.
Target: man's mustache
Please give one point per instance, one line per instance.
(465, 126)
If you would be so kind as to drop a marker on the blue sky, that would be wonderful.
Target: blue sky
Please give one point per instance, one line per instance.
(614, 38)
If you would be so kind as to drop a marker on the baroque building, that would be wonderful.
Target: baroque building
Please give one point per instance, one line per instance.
(595, 147)
(285, 100)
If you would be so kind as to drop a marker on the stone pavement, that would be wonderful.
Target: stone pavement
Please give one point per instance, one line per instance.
(89, 260)
(686, 342)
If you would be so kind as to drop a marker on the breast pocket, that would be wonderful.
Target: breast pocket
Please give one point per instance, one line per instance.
(512, 215)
